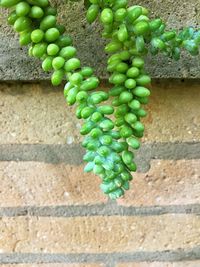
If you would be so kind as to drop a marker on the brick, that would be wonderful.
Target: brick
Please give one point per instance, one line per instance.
(53, 265)
(37, 114)
(99, 234)
(173, 112)
(162, 264)
(168, 182)
(37, 183)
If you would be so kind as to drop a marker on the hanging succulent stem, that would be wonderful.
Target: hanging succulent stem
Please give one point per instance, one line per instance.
(131, 34)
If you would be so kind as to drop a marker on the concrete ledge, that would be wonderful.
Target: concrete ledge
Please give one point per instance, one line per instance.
(16, 65)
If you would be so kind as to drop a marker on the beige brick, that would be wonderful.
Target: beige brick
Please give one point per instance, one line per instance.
(53, 265)
(174, 113)
(37, 183)
(168, 182)
(37, 113)
(99, 234)
(162, 264)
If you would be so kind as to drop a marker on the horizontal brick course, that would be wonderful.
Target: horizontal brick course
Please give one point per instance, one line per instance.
(99, 234)
(37, 183)
(161, 264)
(37, 113)
(167, 182)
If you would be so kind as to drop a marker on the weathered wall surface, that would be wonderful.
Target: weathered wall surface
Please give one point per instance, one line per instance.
(54, 214)
(15, 64)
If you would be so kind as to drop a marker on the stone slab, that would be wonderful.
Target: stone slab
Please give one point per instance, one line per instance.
(16, 65)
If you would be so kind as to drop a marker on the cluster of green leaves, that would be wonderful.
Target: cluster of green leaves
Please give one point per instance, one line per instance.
(112, 129)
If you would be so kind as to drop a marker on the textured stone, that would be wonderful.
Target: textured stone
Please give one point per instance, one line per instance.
(168, 182)
(91, 46)
(162, 264)
(99, 234)
(40, 184)
(36, 113)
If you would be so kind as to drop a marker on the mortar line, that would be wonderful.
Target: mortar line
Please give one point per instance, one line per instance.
(98, 210)
(111, 263)
(73, 154)
(110, 259)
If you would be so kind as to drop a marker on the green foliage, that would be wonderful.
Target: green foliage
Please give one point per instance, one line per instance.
(109, 141)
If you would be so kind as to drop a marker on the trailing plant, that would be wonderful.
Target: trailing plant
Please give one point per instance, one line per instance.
(131, 34)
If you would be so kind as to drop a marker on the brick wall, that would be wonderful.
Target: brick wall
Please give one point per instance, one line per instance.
(52, 214)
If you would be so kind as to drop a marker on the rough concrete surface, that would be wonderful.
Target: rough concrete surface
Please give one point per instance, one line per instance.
(16, 65)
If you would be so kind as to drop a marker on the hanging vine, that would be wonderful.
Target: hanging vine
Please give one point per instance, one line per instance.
(131, 35)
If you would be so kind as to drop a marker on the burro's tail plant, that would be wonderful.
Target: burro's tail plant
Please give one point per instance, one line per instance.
(111, 129)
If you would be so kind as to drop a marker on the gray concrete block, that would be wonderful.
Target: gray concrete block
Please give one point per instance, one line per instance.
(16, 65)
